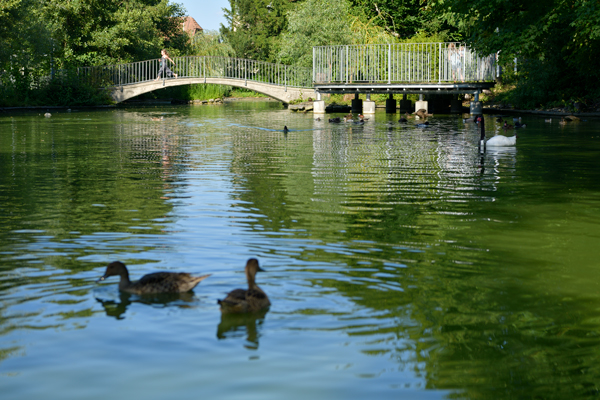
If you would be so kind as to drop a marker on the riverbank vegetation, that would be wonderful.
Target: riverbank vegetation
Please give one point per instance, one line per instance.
(547, 49)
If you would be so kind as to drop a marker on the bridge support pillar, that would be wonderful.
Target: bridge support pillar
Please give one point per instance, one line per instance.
(476, 106)
(405, 105)
(455, 106)
(357, 104)
(390, 105)
(369, 107)
(319, 107)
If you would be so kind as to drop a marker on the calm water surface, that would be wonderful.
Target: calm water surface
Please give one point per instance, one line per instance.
(400, 262)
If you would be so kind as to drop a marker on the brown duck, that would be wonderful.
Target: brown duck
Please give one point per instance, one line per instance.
(246, 300)
(158, 282)
(422, 113)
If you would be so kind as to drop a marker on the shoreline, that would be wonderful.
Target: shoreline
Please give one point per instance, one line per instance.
(486, 109)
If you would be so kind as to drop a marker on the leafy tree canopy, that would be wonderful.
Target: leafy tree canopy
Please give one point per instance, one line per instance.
(556, 42)
(254, 26)
(315, 23)
(97, 32)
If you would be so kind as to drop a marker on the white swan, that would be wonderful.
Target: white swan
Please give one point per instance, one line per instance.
(500, 141)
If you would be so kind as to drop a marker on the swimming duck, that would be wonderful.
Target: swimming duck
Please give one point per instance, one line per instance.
(548, 120)
(246, 300)
(422, 113)
(519, 125)
(403, 120)
(285, 129)
(423, 125)
(47, 115)
(335, 120)
(158, 282)
(158, 118)
(563, 121)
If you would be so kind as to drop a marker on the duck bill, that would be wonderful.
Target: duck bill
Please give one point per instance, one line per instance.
(261, 270)
(101, 278)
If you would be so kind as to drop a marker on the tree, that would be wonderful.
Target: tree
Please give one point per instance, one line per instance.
(403, 18)
(25, 46)
(99, 32)
(315, 23)
(254, 26)
(557, 43)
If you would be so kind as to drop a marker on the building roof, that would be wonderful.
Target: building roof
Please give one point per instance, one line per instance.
(191, 26)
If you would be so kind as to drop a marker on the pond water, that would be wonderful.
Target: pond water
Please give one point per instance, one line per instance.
(400, 262)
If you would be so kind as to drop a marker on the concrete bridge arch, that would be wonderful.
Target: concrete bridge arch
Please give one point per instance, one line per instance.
(285, 94)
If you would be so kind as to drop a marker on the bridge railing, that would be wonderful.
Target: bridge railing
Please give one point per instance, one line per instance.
(401, 63)
(199, 67)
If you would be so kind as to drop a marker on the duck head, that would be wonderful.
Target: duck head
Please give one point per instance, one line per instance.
(115, 268)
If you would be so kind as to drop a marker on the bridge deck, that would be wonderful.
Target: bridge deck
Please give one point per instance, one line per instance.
(404, 88)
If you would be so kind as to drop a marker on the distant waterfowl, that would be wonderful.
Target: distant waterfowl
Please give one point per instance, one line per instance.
(47, 115)
(362, 117)
(158, 118)
(517, 119)
(548, 120)
(158, 282)
(246, 300)
(423, 125)
(563, 121)
(507, 126)
(335, 120)
(285, 129)
(403, 120)
(519, 125)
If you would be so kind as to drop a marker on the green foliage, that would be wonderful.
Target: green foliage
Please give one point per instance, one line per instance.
(66, 89)
(205, 92)
(103, 32)
(314, 23)
(210, 43)
(254, 26)
(403, 19)
(556, 43)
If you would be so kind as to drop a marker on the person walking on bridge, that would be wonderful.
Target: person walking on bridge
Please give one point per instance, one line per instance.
(164, 67)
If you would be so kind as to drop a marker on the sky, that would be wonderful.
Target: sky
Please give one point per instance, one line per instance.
(207, 13)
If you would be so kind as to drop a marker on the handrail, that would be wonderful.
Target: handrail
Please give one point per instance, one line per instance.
(199, 67)
(401, 63)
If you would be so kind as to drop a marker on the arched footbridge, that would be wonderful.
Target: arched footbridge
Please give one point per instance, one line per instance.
(391, 68)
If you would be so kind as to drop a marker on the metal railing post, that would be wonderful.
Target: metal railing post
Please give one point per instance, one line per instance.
(389, 64)
(346, 69)
(440, 64)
